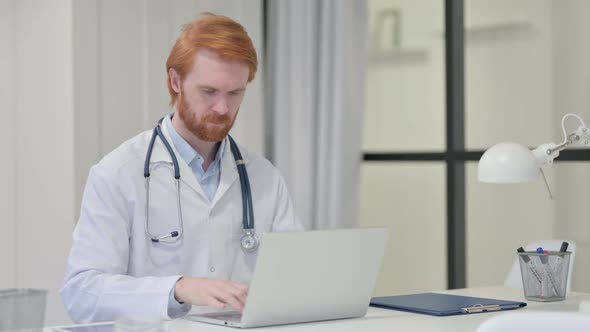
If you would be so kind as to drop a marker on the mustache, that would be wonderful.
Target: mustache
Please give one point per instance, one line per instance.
(217, 118)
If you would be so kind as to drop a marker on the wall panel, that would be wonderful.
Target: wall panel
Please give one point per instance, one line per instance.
(45, 145)
(7, 145)
(121, 71)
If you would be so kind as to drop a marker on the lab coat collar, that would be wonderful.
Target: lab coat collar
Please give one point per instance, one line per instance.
(229, 171)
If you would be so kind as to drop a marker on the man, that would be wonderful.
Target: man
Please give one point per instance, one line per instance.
(117, 266)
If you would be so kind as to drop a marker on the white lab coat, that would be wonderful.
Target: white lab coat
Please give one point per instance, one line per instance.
(115, 270)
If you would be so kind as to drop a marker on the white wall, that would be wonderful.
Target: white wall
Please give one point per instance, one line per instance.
(37, 144)
(508, 83)
(571, 70)
(405, 110)
(508, 76)
(7, 143)
(77, 78)
(410, 199)
(405, 88)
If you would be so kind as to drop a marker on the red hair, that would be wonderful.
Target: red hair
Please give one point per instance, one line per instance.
(220, 34)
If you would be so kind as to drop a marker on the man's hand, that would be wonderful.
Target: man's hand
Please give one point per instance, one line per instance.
(211, 292)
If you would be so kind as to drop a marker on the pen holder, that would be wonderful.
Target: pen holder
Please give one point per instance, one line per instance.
(544, 276)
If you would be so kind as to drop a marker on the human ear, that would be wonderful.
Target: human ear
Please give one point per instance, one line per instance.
(174, 80)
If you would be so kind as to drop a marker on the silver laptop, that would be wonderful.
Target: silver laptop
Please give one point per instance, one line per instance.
(309, 276)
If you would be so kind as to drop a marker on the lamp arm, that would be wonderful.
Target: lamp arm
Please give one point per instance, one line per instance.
(582, 125)
(545, 153)
(570, 139)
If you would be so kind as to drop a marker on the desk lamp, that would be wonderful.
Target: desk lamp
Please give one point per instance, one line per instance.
(511, 162)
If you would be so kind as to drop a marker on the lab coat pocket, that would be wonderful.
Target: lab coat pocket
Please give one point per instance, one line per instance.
(163, 255)
(163, 219)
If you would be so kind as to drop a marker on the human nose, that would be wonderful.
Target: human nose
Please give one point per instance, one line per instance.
(221, 106)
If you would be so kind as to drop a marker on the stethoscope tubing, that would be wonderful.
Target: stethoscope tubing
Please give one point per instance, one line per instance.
(247, 207)
(247, 212)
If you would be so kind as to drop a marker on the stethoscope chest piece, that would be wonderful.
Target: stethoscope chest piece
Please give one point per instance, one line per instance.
(249, 240)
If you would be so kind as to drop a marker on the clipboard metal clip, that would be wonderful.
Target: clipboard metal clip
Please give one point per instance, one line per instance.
(481, 308)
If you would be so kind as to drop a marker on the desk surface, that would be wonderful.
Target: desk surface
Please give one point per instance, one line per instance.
(391, 320)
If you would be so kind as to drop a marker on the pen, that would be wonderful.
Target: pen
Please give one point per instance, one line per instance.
(559, 260)
(564, 246)
(530, 265)
(544, 260)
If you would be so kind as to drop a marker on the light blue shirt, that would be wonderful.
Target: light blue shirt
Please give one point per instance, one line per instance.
(208, 180)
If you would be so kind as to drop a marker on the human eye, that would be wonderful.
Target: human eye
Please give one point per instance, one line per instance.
(208, 91)
(236, 92)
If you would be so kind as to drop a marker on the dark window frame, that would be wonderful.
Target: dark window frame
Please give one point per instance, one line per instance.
(455, 156)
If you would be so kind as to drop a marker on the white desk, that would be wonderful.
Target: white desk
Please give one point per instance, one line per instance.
(390, 320)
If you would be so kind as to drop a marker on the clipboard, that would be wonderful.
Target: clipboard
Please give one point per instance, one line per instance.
(436, 304)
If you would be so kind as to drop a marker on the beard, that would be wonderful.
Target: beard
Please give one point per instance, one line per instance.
(211, 127)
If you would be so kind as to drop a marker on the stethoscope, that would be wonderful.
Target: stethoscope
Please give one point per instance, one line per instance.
(249, 240)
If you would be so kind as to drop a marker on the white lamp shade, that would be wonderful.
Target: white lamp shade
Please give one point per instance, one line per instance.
(507, 163)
